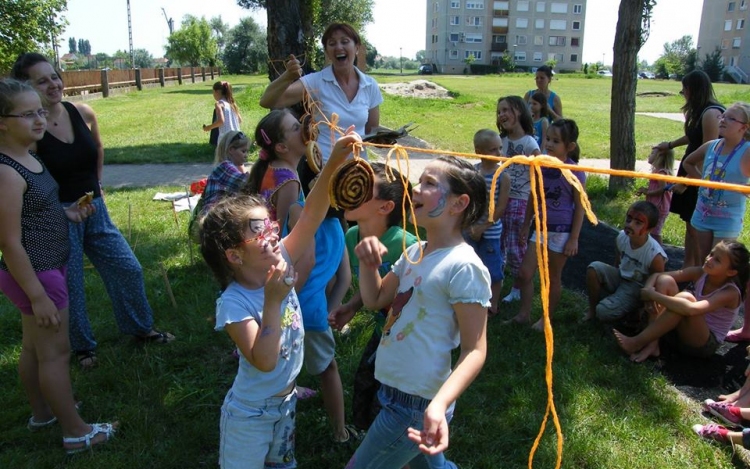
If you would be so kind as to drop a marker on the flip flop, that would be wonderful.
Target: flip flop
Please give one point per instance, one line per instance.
(157, 337)
(86, 359)
(735, 337)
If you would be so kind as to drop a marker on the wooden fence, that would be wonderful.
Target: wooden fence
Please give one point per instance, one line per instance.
(86, 82)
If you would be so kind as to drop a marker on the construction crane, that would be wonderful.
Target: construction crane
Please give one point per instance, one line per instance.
(170, 21)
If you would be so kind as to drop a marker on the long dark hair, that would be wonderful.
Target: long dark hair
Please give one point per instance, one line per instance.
(524, 115)
(700, 94)
(24, 62)
(740, 260)
(268, 133)
(569, 133)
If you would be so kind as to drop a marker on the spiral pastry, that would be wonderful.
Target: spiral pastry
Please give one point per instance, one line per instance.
(351, 185)
(314, 156)
(309, 129)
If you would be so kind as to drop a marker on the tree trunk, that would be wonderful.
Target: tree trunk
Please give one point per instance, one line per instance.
(290, 31)
(624, 80)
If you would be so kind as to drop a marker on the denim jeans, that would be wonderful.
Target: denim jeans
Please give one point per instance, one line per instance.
(387, 445)
(257, 434)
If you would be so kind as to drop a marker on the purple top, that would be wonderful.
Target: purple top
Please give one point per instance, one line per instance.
(720, 320)
(272, 182)
(560, 198)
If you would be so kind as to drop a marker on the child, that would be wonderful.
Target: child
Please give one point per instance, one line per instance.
(484, 236)
(540, 115)
(260, 312)
(564, 220)
(381, 217)
(638, 256)
(436, 304)
(227, 178)
(719, 214)
(324, 279)
(227, 113)
(701, 316)
(517, 130)
(35, 247)
(658, 192)
(274, 176)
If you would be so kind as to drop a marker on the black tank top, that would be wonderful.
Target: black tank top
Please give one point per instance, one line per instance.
(44, 227)
(73, 165)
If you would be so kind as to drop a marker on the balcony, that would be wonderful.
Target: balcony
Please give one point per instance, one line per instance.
(500, 13)
(499, 47)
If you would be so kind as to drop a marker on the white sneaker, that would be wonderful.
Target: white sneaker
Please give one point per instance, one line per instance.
(514, 295)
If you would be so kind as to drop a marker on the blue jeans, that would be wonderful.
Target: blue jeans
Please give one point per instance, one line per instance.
(257, 434)
(387, 445)
(120, 271)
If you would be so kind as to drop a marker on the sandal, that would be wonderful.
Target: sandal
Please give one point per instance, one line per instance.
(157, 337)
(35, 426)
(107, 429)
(86, 359)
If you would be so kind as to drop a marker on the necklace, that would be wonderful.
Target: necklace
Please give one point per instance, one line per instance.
(715, 175)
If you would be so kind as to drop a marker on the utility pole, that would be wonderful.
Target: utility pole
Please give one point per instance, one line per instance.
(130, 37)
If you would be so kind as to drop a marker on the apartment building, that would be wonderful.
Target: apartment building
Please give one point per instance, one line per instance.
(531, 31)
(724, 26)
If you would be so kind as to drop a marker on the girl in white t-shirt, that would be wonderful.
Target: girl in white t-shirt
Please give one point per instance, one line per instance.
(517, 130)
(438, 292)
(260, 311)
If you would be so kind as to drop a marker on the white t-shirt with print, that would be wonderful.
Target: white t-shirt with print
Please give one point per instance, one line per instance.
(520, 181)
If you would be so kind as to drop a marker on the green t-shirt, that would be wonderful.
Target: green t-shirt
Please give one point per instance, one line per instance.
(392, 239)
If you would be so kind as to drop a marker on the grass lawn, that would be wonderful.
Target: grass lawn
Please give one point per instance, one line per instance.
(614, 414)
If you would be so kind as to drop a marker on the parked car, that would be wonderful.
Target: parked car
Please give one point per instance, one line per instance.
(646, 75)
(604, 73)
(425, 69)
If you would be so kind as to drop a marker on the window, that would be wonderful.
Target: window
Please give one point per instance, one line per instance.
(454, 37)
(454, 54)
(455, 4)
(476, 53)
(522, 6)
(475, 5)
(574, 58)
(743, 5)
(434, 23)
(731, 6)
(474, 20)
(558, 25)
(557, 40)
(436, 6)
(576, 26)
(539, 23)
(521, 40)
(537, 56)
(454, 20)
(501, 6)
(577, 9)
(522, 23)
(728, 25)
(556, 57)
(500, 39)
(541, 6)
(575, 42)
(519, 56)
(538, 40)
(736, 43)
(500, 22)
(474, 38)
(740, 23)
(559, 8)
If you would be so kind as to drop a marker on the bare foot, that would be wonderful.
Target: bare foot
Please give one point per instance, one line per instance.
(519, 318)
(737, 335)
(538, 326)
(650, 350)
(627, 344)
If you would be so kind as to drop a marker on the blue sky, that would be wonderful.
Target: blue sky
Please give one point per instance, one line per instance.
(399, 24)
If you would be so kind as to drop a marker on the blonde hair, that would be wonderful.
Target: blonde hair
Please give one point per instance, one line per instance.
(663, 159)
(228, 141)
(743, 108)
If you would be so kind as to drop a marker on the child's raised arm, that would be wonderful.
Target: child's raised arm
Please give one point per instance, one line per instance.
(14, 254)
(317, 202)
(472, 325)
(377, 292)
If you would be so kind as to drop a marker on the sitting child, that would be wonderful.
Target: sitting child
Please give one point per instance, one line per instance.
(484, 236)
(638, 255)
(699, 316)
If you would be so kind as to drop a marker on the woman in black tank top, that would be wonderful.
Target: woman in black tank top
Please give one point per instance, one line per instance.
(702, 112)
(73, 152)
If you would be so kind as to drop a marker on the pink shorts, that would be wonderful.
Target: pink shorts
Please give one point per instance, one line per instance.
(53, 282)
